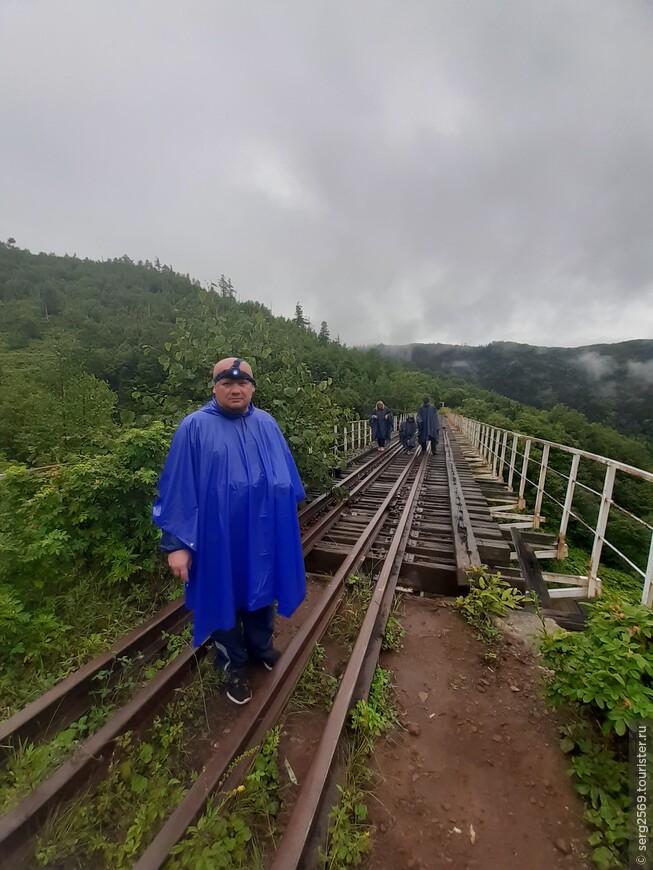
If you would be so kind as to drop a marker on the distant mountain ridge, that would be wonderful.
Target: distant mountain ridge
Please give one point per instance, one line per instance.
(609, 383)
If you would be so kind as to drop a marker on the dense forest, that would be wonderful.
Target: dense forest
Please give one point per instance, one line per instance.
(609, 383)
(88, 349)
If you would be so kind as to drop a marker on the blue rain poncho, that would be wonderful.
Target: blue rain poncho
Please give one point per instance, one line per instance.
(382, 423)
(428, 423)
(407, 433)
(229, 491)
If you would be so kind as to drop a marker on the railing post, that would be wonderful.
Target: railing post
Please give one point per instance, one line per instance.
(486, 438)
(524, 470)
(647, 594)
(344, 428)
(563, 550)
(502, 461)
(495, 453)
(513, 457)
(601, 524)
(541, 482)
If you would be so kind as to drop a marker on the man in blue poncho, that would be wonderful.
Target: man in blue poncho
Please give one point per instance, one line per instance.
(428, 425)
(227, 506)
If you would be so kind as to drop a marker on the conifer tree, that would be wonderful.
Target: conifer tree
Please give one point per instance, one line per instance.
(226, 288)
(299, 319)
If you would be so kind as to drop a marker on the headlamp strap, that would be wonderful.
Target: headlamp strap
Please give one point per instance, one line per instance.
(234, 371)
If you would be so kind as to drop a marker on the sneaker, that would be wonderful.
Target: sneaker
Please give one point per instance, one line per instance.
(237, 688)
(270, 658)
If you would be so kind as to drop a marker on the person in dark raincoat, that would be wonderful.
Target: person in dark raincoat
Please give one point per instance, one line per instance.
(227, 507)
(407, 432)
(428, 425)
(382, 423)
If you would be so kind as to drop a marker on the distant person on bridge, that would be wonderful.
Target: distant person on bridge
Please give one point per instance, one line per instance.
(227, 506)
(382, 423)
(407, 432)
(428, 425)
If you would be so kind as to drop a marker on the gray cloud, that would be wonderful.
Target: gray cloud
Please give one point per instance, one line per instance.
(641, 370)
(437, 171)
(596, 364)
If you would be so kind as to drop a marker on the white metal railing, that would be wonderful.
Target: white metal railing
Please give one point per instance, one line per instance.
(491, 443)
(356, 435)
(347, 438)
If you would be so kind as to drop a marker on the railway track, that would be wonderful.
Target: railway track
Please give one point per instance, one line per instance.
(411, 520)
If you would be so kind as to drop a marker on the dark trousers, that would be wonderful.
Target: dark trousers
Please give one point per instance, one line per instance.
(250, 638)
(381, 442)
(433, 441)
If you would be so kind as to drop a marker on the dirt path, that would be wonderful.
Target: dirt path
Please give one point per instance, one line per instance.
(477, 779)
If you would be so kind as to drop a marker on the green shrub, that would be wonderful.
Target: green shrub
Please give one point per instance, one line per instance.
(604, 676)
(608, 669)
(489, 595)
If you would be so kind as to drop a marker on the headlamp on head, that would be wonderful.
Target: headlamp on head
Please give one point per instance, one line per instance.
(234, 374)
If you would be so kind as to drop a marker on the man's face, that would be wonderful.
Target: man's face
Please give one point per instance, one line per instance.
(233, 394)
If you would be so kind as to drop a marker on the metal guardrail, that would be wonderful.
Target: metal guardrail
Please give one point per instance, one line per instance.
(356, 435)
(491, 444)
(347, 438)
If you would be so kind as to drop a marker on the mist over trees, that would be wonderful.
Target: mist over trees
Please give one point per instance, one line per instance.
(609, 383)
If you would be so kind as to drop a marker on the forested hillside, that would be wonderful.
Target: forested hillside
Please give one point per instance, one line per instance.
(89, 348)
(609, 383)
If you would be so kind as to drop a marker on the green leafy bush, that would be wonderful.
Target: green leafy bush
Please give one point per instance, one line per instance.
(489, 595)
(604, 676)
(601, 777)
(608, 669)
(88, 516)
(79, 561)
(301, 404)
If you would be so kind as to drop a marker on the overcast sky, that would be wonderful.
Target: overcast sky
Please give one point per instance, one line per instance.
(435, 170)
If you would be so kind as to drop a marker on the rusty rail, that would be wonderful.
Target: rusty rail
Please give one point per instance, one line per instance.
(324, 523)
(19, 824)
(463, 534)
(298, 831)
(71, 698)
(262, 712)
(309, 511)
